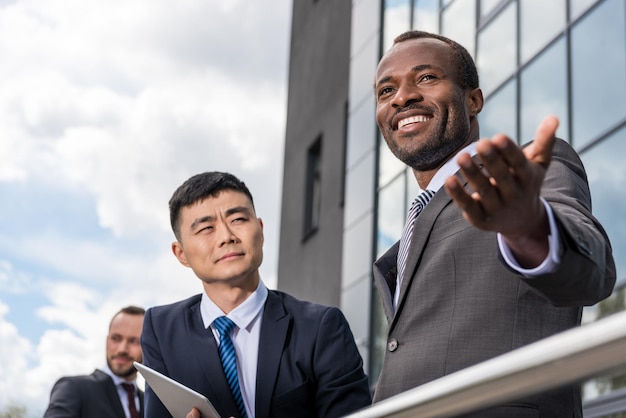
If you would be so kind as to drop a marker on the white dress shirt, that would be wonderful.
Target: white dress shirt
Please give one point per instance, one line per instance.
(248, 317)
(120, 390)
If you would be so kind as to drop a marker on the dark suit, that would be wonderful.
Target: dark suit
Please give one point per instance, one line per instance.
(308, 362)
(460, 305)
(90, 396)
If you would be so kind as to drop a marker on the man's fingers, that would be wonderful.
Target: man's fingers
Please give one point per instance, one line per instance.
(540, 150)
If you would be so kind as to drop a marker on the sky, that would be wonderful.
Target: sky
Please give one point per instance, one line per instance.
(106, 107)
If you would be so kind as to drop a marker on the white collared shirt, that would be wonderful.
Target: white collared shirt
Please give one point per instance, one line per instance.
(120, 390)
(248, 317)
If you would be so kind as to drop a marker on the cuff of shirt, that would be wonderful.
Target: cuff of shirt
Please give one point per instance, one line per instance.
(551, 261)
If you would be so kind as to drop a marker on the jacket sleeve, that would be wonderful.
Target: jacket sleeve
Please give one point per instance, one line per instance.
(586, 272)
(342, 386)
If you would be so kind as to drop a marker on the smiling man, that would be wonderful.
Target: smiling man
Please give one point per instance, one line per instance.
(109, 392)
(253, 352)
(500, 248)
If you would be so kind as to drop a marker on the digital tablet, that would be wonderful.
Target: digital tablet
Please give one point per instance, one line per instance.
(177, 398)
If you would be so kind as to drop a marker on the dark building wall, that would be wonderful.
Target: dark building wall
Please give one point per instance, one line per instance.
(309, 266)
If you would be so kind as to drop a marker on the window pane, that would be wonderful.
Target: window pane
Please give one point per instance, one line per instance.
(607, 175)
(598, 71)
(498, 114)
(458, 23)
(361, 131)
(486, 6)
(360, 188)
(544, 91)
(541, 21)
(426, 15)
(389, 165)
(497, 50)
(397, 20)
(391, 214)
(578, 7)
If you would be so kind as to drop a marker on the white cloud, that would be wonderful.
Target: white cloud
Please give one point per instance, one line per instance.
(117, 103)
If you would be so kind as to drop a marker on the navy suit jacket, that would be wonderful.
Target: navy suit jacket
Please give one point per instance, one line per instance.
(90, 396)
(308, 362)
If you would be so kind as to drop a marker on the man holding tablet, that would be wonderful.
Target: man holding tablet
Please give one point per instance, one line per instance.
(253, 352)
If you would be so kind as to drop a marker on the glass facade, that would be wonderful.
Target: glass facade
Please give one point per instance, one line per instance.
(562, 57)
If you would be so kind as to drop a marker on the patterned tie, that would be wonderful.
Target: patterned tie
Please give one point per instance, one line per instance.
(229, 360)
(130, 391)
(403, 252)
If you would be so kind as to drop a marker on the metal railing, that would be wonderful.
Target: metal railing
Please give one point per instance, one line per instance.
(598, 348)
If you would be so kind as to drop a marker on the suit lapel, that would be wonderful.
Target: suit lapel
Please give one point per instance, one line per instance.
(110, 391)
(274, 329)
(204, 347)
(421, 233)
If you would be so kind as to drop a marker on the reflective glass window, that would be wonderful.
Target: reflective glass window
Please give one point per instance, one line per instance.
(543, 91)
(487, 6)
(578, 7)
(426, 15)
(357, 250)
(389, 166)
(397, 16)
(499, 113)
(360, 188)
(598, 71)
(540, 22)
(458, 22)
(497, 50)
(362, 71)
(391, 214)
(606, 172)
(361, 131)
(365, 24)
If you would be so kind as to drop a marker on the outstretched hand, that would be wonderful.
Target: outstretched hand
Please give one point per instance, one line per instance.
(507, 181)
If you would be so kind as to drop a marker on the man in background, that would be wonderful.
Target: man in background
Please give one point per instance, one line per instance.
(109, 392)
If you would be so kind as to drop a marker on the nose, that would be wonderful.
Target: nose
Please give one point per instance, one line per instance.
(406, 94)
(227, 236)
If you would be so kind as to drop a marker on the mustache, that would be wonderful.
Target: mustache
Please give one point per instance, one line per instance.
(413, 106)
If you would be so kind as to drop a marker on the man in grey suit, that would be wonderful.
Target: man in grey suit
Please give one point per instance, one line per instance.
(102, 394)
(282, 357)
(504, 253)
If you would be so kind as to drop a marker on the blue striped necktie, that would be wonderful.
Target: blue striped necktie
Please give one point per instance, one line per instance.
(229, 360)
(403, 252)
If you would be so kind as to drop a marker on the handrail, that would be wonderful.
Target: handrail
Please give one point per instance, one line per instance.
(571, 356)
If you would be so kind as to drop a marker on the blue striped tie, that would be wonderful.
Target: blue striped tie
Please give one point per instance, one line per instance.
(403, 252)
(229, 360)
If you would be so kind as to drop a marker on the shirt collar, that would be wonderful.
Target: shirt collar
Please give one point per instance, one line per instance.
(243, 315)
(449, 168)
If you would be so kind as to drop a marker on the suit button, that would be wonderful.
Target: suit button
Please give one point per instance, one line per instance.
(392, 345)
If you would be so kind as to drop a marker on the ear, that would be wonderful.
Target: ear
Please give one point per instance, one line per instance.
(179, 252)
(261, 225)
(475, 101)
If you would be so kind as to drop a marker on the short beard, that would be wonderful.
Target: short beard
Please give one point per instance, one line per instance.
(432, 154)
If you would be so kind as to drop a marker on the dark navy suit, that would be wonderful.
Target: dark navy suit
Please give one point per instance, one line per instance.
(308, 362)
(90, 396)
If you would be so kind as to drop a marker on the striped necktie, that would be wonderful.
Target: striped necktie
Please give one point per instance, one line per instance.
(229, 360)
(403, 252)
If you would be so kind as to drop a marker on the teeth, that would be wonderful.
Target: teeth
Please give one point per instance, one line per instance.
(412, 119)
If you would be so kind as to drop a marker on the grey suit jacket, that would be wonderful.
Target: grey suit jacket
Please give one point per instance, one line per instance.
(460, 305)
(308, 362)
(90, 396)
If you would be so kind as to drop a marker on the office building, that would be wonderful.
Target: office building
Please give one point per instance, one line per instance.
(345, 196)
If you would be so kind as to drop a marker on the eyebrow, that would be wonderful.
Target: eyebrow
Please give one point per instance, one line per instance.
(229, 212)
(415, 69)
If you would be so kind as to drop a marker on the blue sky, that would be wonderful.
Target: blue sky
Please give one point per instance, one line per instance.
(105, 108)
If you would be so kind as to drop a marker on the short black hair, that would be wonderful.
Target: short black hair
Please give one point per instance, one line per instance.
(198, 188)
(130, 310)
(466, 68)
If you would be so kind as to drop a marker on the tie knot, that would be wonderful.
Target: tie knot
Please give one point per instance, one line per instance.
(129, 388)
(224, 325)
(424, 197)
